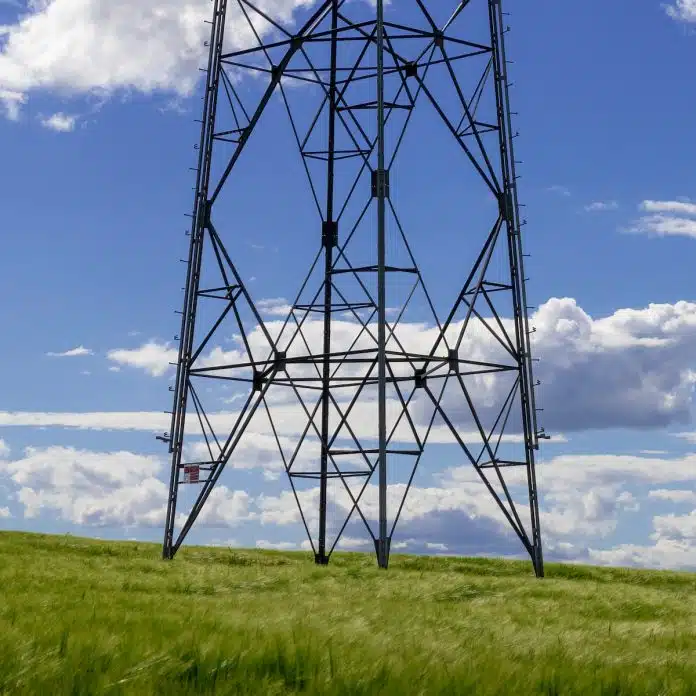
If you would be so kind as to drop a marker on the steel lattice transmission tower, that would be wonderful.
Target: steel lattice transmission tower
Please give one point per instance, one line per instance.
(361, 372)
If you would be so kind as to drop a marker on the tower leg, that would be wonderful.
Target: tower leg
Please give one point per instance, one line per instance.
(510, 206)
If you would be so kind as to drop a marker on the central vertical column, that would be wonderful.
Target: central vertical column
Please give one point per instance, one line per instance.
(329, 239)
(382, 542)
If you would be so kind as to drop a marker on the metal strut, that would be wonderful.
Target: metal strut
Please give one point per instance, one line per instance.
(382, 546)
(330, 240)
(522, 333)
(201, 218)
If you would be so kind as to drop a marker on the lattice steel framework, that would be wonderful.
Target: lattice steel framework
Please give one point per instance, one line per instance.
(369, 390)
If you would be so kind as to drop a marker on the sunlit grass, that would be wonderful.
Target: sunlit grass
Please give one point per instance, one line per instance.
(91, 617)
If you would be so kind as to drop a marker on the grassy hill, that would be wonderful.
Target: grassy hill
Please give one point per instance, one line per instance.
(89, 617)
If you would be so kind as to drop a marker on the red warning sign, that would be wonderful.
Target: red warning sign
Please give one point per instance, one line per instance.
(191, 473)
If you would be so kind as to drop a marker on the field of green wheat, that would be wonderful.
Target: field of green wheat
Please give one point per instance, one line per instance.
(90, 617)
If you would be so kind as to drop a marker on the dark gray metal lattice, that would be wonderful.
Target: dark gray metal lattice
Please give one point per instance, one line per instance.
(367, 74)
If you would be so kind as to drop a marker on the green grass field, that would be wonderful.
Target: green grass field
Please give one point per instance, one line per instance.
(91, 617)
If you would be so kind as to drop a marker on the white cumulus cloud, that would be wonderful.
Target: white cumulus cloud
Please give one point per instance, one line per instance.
(673, 496)
(680, 207)
(582, 499)
(92, 47)
(666, 219)
(560, 190)
(600, 206)
(665, 554)
(276, 545)
(153, 357)
(121, 489)
(89, 488)
(676, 527)
(666, 226)
(682, 10)
(225, 508)
(632, 368)
(72, 353)
(62, 123)
(275, 306)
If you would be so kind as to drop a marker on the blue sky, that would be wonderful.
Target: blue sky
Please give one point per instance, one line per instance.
(97, 137)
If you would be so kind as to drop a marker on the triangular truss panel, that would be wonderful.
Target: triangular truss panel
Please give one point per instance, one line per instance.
(348, 375)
